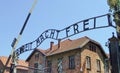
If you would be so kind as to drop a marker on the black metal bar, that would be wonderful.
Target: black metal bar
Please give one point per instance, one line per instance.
(109, 20)
(13, 43)
(12, 68)
(84, 31)
(87, 19)
(25, 24)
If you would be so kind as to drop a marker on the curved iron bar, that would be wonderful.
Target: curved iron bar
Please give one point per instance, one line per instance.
(51, 32)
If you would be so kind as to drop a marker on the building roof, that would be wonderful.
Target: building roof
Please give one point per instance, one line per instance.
(68, 45)
(43, 52)
(3, 59)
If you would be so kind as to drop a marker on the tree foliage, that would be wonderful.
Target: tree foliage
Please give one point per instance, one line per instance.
(112, 3)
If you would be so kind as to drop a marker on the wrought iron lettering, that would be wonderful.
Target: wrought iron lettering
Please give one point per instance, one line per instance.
(52, 34)
(94, 22)
(67, 30)
(75, 27)
(85, 22)
(46, 34)
(71, 30)
(38, 41)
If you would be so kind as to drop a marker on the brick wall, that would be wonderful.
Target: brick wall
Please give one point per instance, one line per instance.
(65, 63)
(80, 60)
(32, 61)
(94, 56)
(22, 71)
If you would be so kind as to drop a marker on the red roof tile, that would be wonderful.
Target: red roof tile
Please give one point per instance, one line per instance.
(68, 45)
(3, 59)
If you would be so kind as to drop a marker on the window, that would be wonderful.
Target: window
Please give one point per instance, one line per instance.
(36, 67)
(72, 62)
(98, 66)
(49, 64)
(37, 56)
(60, 69)
(106, 66)
(88, 62)
(92, 47)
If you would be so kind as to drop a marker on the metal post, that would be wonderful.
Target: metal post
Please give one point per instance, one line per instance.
(20, 34)
(114, 50)
(12, 67)
(15, 42)
(114, 44)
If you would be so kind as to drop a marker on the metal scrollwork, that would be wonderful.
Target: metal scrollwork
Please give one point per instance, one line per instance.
(69, 31)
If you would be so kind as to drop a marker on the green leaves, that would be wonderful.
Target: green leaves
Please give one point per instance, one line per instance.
(112, 3)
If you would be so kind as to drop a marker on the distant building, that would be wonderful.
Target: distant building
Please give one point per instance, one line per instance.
(82, 55)
(3, 60)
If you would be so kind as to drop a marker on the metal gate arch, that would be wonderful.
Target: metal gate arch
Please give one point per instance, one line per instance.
(54, 33)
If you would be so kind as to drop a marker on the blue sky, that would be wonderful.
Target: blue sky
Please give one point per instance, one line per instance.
(48, 14)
